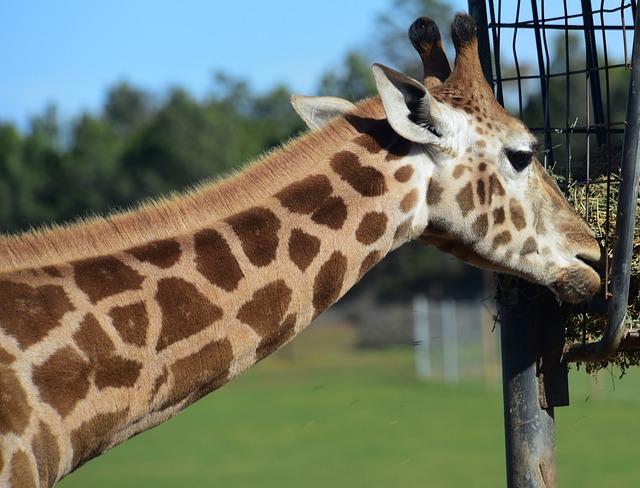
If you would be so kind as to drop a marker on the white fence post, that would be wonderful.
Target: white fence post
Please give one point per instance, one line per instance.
(421, 337)
(450, 341)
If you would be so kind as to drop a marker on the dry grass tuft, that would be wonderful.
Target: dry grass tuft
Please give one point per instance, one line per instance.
(598, 202)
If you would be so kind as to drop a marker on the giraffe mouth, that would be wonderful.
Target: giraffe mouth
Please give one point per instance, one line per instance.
(577, 285)
(595, 258)
(597, 266)
(580, 282)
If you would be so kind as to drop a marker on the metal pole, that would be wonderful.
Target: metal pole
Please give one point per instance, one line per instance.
(534, 380)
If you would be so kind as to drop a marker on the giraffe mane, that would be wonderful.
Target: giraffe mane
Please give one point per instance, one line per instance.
(180, 212)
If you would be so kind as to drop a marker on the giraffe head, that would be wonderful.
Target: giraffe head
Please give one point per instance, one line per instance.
(488, 199)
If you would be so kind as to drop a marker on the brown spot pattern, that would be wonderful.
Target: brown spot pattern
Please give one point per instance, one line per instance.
(200, 373)
(409, 201)
(105, 276)
(517, 214)
(501, 239)
(52, 271)
(6, 357)
(131, 322)
(332, 213)
(21, 474)
(369, 262)
(404, 173)
(185, 311)
(366, 180)
(306, 195)
(480, 226)
(45, 449)
(63, 379)
(434, 192)
(498, 215)
(369, 143)
(29, 313)
(266, 308)
(92, 340)
(495, 187)
(303, 248)
(403, 231)
(371, 228)
(215, 261)
(277, 338)
(107, 369)
(328, 281)
(529, 246)
(465, 199)
(163, 254)
(14, 405)
(116, 372)
(378, 135)
(481, 192)
(459, 170)
(257, 229)
(94, 436)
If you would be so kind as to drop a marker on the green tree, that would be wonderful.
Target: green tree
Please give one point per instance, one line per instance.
(127, 108)
(10, 176)
(352, 81)
(36, 187)
(94, 167)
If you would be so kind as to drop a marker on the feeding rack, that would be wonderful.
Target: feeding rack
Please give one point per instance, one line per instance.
(571, 71)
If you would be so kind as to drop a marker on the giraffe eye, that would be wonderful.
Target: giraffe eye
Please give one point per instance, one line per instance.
(519, 159)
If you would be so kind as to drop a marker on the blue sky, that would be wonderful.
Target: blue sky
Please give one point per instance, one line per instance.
(70, 51)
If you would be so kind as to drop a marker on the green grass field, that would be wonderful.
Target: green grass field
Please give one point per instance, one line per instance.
(320, 413)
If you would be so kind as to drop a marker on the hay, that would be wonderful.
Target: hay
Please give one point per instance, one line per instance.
(598, 202)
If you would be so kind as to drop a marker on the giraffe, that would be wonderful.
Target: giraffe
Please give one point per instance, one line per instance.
(110, 326)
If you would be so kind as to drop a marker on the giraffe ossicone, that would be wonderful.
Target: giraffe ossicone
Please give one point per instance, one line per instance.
(111, 326)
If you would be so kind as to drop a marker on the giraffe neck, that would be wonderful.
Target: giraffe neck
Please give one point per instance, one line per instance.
(101, 346)
(184, 213)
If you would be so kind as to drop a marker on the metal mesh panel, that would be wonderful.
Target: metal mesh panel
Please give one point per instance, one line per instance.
(563, 67)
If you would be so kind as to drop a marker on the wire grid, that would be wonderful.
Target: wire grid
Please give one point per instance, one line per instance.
(563, 68)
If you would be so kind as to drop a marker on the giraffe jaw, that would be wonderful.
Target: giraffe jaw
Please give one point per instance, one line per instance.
(576, 281)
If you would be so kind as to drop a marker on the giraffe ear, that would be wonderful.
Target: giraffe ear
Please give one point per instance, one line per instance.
(317, 111)
(411, 110)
